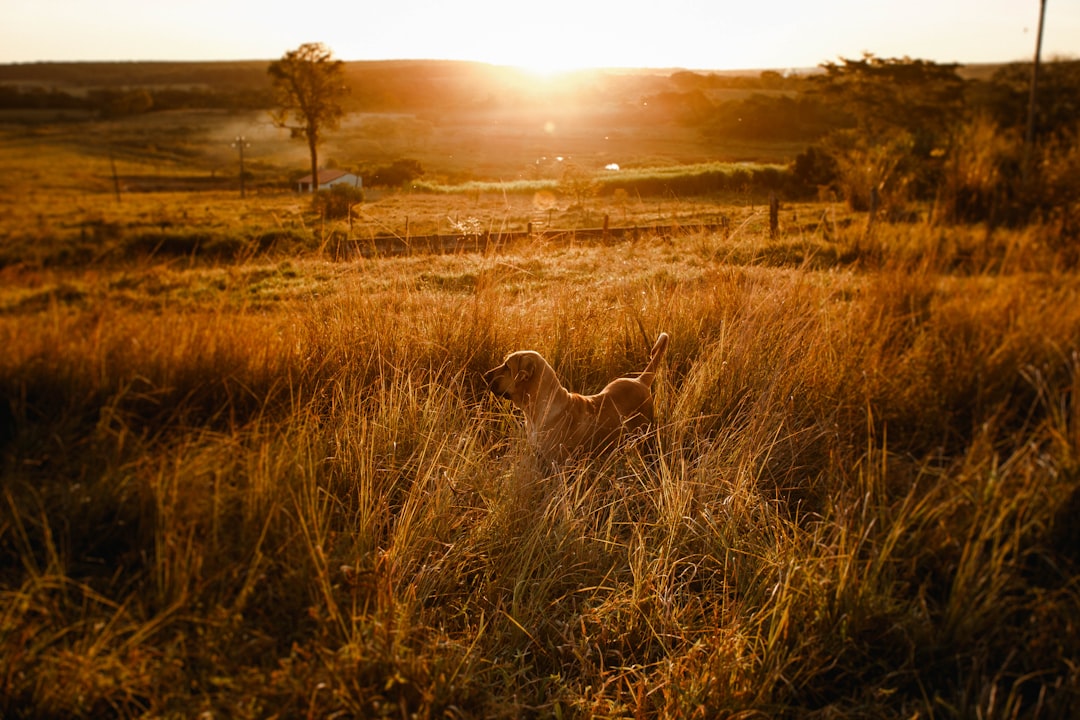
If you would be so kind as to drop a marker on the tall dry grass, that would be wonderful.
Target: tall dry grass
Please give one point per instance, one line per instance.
(857, 500)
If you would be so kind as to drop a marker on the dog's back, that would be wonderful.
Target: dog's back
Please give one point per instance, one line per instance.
(626, 404)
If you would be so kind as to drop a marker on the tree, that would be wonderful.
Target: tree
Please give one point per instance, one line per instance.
(309, 87)
(578, 183)
(904, 113)
(886, 96)
(397, 173)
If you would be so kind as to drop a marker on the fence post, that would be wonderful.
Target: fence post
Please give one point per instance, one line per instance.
(774, 215)
(875, 200)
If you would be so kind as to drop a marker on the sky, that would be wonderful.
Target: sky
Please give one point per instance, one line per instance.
(543, 35)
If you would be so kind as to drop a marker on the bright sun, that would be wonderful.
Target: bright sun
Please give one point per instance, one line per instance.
(548, 67)
(546, 62)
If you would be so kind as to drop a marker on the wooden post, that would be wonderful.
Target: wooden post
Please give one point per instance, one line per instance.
(115, 177)
(605, 228)
(875, 200)
(774, 215)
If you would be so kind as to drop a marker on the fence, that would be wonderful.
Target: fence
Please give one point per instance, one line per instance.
(485, 242)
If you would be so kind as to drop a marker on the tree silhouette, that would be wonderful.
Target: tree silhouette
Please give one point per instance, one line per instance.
(309, 87)
(904, 113)
(886, 96)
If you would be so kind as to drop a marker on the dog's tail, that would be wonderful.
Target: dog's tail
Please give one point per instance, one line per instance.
(649, 373)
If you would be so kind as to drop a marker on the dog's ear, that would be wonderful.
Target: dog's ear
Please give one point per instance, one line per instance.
(525, 367)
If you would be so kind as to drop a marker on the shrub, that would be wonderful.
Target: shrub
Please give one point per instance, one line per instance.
(166, 243)
(884, 170)
(984, 179)
(397, 173)
(814, 168)
(338, 201)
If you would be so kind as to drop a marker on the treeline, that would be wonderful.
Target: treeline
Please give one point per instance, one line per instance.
(765, 106)
(868, 91)
(118, 102)
(885, 134)
(914, 130)
(412, 86)
(726, 179)
(82, 75)
(419, 87)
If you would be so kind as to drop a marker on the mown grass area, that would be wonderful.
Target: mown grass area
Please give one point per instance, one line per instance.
(69, 229)
(276, 485)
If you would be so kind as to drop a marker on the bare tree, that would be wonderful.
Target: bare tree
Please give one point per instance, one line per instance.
(309, 84)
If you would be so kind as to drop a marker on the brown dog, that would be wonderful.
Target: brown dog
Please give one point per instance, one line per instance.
(560, 422)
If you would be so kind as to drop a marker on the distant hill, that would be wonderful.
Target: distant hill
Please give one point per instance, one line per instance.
(84, 75)
(252, 73)
(376, 86)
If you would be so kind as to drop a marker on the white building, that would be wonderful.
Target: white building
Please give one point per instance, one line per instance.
(328, 179)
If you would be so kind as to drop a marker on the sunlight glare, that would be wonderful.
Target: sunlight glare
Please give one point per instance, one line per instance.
(550, 62)
(547, 69)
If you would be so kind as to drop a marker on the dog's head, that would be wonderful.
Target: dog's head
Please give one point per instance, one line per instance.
(517, 377)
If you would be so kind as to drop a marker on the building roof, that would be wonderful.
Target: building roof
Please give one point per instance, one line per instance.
(325, 176)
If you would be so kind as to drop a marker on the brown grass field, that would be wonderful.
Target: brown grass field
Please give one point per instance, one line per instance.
(248, 477)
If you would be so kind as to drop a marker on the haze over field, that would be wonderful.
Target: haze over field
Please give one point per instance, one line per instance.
(554, 35)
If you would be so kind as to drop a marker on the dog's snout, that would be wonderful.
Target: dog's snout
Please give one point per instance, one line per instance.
(491, 379)
(496, 380)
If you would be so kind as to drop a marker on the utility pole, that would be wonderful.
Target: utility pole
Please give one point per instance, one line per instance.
(1029, 137)
(240, 143)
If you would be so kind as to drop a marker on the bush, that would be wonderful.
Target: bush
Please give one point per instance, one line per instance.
(984, 179)
(397, 173)
(166, 243)
(338, 201)
(814, 168)
(201, 244)
(975, 182)
(880, 175)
